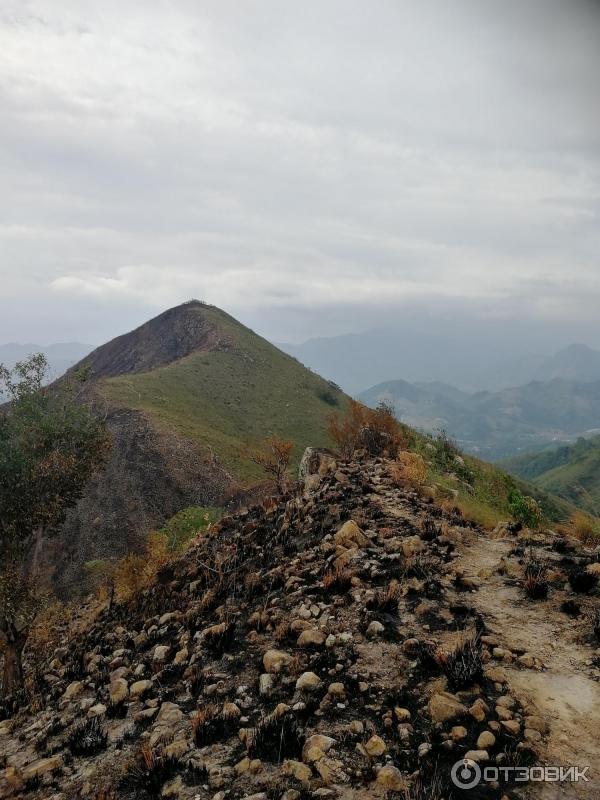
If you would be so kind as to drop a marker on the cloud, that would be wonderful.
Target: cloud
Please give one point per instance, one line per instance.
(275, 159)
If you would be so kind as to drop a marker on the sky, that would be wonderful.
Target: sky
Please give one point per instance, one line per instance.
(314, 168)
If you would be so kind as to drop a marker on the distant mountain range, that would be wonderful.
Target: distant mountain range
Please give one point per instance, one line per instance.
(60, 356)
(572, 472)
(467, 360)
(496, 425)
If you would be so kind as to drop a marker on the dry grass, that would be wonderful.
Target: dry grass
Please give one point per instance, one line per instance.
(582, 528)
(409, 469)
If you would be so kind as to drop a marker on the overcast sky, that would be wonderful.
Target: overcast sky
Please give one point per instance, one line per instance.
(313, 167)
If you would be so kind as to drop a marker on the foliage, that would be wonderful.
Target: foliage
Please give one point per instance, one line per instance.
(376, 431)
(463, 665)
(50, 445)
(273, 457)
(409, 468)
(583, 527)
(187, 524)
(525, 509)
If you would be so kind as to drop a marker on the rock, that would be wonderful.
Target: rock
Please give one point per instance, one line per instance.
(276, 660)
(140, 688)
(41, 767)
(311, 638)
(391, 779)
(375, 629)
(316, 746)
(477, 755)
(265, 684)
(308, 682)
(479, 710)
(331, 771)
(402, 714)
(445, 708)
(512, 726)
(72, 690)
(486, 740)
(118, 691)
(375, 746)
(169, 714)
(336, 690)
(350, 536)
(97, 710)
(161, 653)
(458, 733)
(297, 770)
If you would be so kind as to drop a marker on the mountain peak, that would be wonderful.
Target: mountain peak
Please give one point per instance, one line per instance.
(172, 335)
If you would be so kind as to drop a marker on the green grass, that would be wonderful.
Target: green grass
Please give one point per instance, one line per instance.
(571, 472)
(230, 399)
(483, 492)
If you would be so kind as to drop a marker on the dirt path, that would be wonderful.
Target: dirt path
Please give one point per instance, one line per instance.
(565, 692)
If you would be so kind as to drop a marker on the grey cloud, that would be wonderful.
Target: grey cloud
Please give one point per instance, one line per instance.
(278, 158)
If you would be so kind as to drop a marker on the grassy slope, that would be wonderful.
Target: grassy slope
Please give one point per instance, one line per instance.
(227, 399)
(570, 472)
(482, 493)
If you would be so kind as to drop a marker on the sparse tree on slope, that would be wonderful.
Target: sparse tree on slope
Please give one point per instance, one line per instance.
(50, 445)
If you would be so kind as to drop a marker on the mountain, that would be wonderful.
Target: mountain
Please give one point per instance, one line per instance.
(468, 359)
(185, 395)
(497, 425)
(355, 641)
(571, 472)
(60, 356)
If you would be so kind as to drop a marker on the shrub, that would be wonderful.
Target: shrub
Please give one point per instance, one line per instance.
(387, 600)
(409, 469)
(582, 527)
(535, 582)
(149, 771)
(276, 737)
(582, 581)
(524, 509)
(87, 738)
(274, 457)
(338, 579)
(376, 431)
(464, 664)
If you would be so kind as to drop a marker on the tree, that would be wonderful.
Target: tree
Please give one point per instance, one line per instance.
(50, 445)
(274, 458)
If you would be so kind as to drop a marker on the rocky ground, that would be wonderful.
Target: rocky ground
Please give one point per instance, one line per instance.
(354, 641)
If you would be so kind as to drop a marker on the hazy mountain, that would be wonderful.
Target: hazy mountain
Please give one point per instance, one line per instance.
(497, 424)
(470, 359)
(60, 356)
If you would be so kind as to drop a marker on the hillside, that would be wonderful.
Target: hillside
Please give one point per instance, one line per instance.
(353, 641)
(497, 425)
(572, 472)
(184, 396)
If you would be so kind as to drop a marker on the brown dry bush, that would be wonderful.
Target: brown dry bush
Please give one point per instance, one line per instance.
(376, 431)
(409, 469)
(581, 527)
(274, 456)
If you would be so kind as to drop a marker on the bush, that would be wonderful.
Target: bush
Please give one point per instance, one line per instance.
(187, 524)
(376, 431)
(409, 469)
(87, 738)
(582, 527)
(535, 582)
(464, 664)
(525, 509)
(582, 581)
(274, 457)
